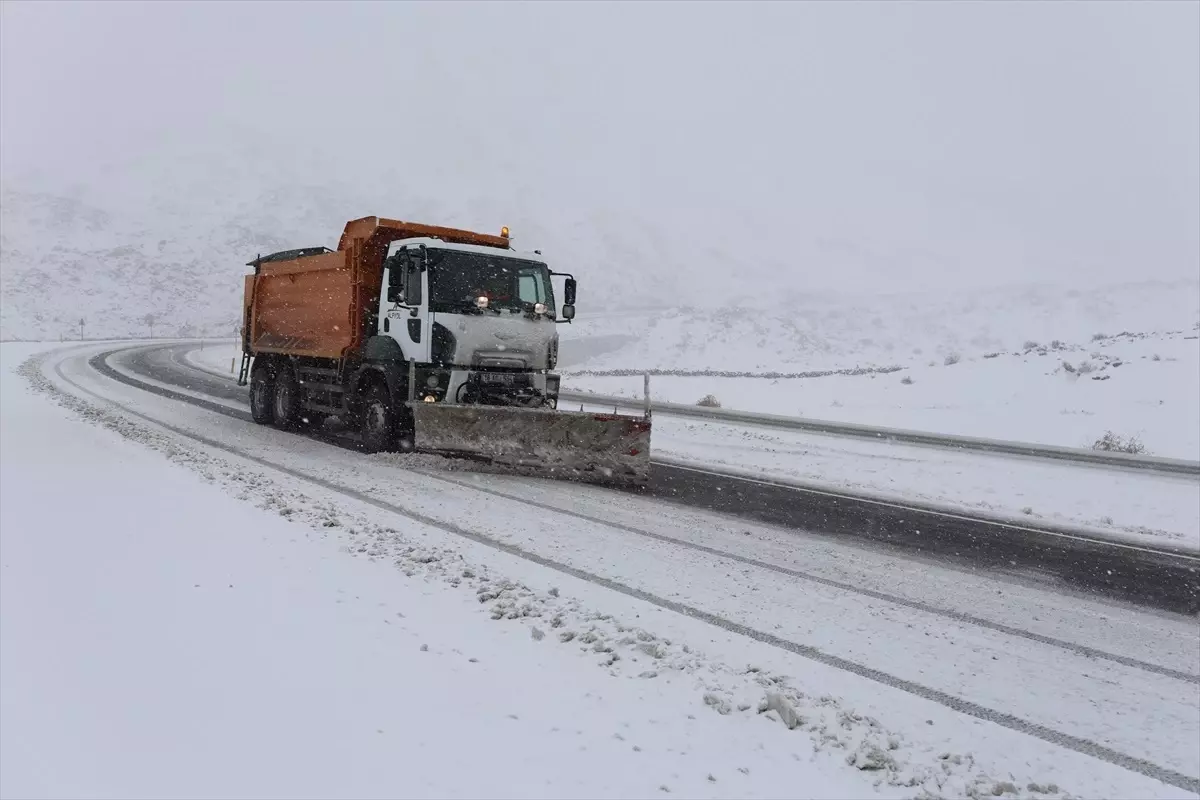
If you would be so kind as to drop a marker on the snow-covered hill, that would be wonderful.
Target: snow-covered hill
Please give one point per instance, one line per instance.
(168, 234)
(802, 332)
(167, 238)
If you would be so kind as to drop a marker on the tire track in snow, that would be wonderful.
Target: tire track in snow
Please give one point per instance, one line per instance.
(961, 705)
(917, 605)
(915, 508)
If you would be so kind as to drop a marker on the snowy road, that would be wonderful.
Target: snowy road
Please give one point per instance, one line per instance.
(1137, 506)
(1039, 686)
(1146, 568)
(1134, 506)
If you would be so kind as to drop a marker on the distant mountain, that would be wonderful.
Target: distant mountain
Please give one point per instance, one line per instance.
(166, 236)
(170, 239)
(63, 259)
(820, 332)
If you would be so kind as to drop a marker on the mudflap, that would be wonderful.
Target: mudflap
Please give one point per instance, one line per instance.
(570, 445)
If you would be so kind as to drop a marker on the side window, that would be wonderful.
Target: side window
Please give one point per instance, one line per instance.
(530, 289)
(412, 287)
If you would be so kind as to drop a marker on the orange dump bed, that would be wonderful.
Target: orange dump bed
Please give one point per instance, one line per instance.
(317, 305)
(302, 307)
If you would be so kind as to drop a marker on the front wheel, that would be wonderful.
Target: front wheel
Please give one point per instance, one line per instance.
(378, 421)
(262, 394)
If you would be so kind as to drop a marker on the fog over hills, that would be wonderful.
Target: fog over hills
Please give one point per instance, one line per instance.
(741, 162)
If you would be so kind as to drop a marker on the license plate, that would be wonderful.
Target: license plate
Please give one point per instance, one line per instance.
(497, 377)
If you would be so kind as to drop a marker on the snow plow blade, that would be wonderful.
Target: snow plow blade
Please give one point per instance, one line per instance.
(609, 448)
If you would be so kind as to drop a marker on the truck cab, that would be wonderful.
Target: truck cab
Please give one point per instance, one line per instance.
(478, 323)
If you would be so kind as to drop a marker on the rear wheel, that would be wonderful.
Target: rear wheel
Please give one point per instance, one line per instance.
(377, 420)
(262, 393)
(286, 405)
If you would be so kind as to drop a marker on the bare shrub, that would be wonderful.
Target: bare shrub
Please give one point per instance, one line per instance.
(1057, 345)
(1085, 367)
(1068, 366)
(1116, 443)
(907, 380)
(709, 401)
(952, 359)
(1099, 337)
(1030, 344)
(991, 355)
(1156, 357)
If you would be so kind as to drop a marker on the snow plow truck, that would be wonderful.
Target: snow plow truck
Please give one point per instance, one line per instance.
(431, 339)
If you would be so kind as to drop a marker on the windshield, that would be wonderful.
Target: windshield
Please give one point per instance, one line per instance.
(456, 278)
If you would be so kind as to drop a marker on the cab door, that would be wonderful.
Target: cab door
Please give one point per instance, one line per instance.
(407, 318)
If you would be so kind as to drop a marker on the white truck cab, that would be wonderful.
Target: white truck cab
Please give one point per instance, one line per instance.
(480, 323)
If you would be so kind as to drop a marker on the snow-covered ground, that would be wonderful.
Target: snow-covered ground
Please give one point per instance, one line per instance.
(1133, 505)
(178, 269)
(164, 636)
(796, 331)
(1068, 394)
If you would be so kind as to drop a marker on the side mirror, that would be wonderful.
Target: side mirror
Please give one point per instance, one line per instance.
(569, 296)
(568, 312)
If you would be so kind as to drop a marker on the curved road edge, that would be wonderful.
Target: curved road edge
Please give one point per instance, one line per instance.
(1162, 577)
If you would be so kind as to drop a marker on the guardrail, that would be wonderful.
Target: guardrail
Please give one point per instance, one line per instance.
(1176, 466)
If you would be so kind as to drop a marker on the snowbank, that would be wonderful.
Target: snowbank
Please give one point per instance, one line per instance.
(1069, 394)
(162, 638)
(326, 698)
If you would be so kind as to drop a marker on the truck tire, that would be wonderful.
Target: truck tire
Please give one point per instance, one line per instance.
(262, 393)
(377, 420)
(405, 435)
(286, 401)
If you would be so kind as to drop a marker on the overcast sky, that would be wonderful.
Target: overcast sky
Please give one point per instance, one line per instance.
(1057, 141)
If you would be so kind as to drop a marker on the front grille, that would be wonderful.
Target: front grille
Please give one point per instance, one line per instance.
(500, 363)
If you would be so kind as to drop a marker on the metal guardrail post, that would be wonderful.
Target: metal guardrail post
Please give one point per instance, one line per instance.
(412, 380)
